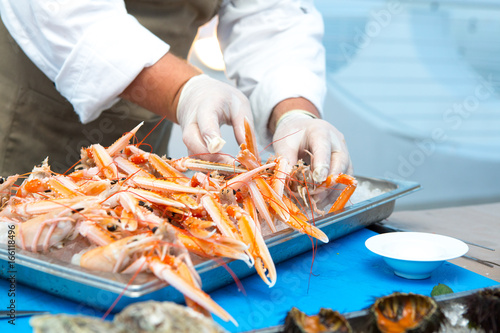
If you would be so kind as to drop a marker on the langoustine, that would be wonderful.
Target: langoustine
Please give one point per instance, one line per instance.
(140, 211)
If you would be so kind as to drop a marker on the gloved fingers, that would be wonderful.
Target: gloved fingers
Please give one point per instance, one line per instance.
(350, 170)
(209, 118)
(321, 144)
(193, 140)
(288, 141)
(340, 160)
(298, 134)
(195, 144)
(287, 148)
(241, 110)
(326, 199)
(219, 104)
(290, 155)
(330, 154)
(340, 163)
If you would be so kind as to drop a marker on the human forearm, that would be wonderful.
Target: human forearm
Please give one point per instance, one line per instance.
(276, 59)
(157, 88)
(280, 64)
(101, 51)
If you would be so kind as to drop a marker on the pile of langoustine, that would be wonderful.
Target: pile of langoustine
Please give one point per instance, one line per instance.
(141, 212)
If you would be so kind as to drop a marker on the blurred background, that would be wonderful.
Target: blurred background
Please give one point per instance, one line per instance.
(415, 88)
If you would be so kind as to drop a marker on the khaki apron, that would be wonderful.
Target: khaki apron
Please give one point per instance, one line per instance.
(36, 121)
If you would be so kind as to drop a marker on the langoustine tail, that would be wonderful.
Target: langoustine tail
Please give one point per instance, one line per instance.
(165, 273)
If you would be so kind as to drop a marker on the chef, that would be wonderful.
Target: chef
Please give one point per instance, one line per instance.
(73, 73)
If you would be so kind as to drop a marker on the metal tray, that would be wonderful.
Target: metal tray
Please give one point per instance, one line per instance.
(100, 289)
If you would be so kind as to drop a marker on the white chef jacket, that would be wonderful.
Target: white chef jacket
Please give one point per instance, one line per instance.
(272, 49)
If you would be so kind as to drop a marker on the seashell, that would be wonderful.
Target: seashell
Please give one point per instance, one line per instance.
(410, 313)
(483, 310)
(326, 321)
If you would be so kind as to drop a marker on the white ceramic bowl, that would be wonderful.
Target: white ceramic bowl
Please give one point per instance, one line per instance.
(415, 255)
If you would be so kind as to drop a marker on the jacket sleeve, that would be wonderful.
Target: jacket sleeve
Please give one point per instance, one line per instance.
(273, 50)
(91, 50)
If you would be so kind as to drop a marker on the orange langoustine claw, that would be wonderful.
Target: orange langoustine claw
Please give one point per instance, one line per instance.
(344, 196)
(141, 211)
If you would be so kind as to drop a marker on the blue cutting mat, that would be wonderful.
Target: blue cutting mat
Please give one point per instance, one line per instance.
(345, 277)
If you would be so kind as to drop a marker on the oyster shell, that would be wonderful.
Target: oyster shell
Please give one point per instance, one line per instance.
(151, 316)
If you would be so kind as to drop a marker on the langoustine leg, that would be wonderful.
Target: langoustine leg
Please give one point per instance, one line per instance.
(148, 249)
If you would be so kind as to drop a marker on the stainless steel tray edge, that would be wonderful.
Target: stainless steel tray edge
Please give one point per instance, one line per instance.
(101, 289)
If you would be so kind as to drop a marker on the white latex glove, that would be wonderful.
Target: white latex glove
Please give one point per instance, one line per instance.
(204, 105)
(298, 133)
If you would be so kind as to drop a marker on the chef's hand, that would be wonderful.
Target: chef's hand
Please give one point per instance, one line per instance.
(298, 133)
(173, 88)
(204, 105)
